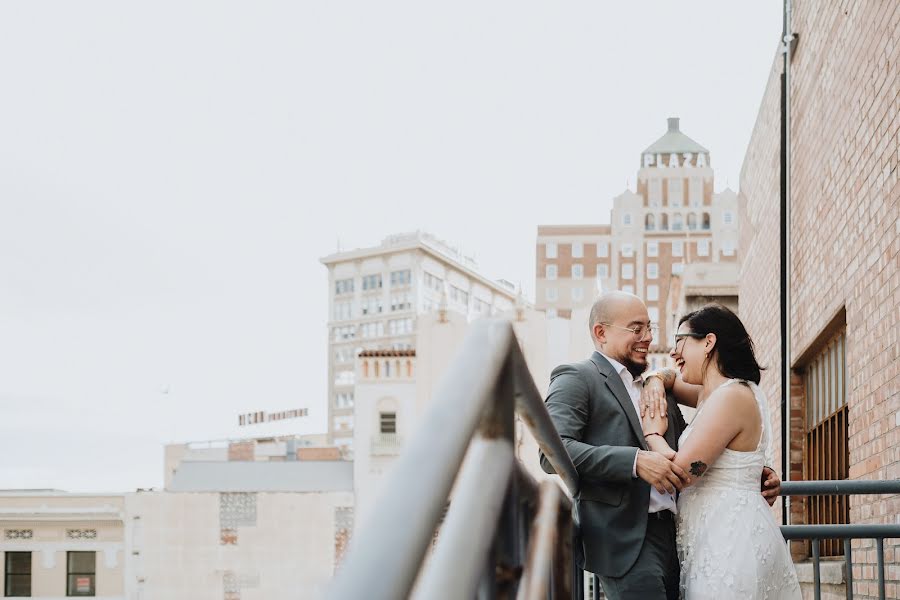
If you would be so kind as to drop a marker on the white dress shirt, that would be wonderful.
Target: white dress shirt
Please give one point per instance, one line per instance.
(633, 385)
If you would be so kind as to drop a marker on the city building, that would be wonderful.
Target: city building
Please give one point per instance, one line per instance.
(375, 296)
(672, 220)
(844, 258)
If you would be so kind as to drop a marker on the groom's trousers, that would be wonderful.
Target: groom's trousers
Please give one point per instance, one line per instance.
(654, 575)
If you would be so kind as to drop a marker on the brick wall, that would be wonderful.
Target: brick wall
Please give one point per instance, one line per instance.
(845, 147)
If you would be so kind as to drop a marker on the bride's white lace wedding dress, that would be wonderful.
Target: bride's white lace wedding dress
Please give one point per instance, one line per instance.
(729, 544)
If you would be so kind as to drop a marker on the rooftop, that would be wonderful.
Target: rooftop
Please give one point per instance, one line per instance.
(674, 141)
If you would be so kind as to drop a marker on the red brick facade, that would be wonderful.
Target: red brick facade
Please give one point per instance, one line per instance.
(845, 250)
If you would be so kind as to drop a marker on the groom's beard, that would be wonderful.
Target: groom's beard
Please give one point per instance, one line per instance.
(635, 368)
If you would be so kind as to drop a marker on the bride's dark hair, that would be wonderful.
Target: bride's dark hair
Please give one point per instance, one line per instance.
(734, 350)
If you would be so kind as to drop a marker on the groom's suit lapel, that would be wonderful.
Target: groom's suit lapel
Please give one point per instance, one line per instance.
(615, 385)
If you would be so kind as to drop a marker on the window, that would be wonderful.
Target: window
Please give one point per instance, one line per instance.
(695, 190)
(344, 400)
(626, 219)
(692, 221)
(402, 301)
(676, 191)
(551, 272)
(652, 270)
(481, 307)
(18, 574)
(399, 278)
(705, 220)
(628, 288)
(434, 283)
(654, 191)
(551, 313)
(650, 222)
(387, 422)
(550, 250)
(728, 248)
(550, 294)
(343, 423)
(577, 271)
(677, 268)
(602, 249)
(459, 296)
(343, 286)
(370, 330)
(677, 222)
(627, 249)
(343, 311)
(372, 282)
(827, 456)
(652, 293)
(653, 313)
(400, 326)
(372, 305)
(344, 378)
(652, 248)
(727, 217)
(81, 572)
(577, 294)
(602, 271)
(347, 332)
(577, 250)
(628, 271)
(678, 248)
(703, 248)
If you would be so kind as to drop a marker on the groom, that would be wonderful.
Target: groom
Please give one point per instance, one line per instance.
(626, 500)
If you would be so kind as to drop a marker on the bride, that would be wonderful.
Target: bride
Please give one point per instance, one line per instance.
(729, 544)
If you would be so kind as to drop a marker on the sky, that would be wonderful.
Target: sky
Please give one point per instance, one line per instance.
(172, 172)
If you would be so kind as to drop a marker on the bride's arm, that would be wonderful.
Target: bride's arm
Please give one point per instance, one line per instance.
(725, 415)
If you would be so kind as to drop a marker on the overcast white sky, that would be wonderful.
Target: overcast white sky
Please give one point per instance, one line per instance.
(171, 172)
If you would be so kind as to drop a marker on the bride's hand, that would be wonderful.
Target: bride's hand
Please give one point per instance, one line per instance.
(655, 424)
(653, 398)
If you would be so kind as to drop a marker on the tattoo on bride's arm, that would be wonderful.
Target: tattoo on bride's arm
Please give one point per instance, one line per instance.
(698, 468)
(668, 377)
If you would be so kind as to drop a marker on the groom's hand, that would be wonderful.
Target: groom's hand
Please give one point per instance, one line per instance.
(661, 473)
(771, 485)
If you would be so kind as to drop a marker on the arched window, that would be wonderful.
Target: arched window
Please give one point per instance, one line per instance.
(677, 222)
(397, 370)
(650, 222)
(705, 220)
(692, 221)
(664, 225)
(377, 368)
(365, 368)
(387, 368)
(409, 368)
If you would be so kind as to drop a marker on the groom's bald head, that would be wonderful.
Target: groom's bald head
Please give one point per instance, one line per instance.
(610, 306)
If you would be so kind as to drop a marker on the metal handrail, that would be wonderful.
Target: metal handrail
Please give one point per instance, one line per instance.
(474, 422)
(846, 531)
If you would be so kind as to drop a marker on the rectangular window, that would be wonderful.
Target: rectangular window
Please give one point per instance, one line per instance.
(577, 294)
(728, 248)
(653, 313)
(652, 248)
(550, 250)
(727, 217)
(550, 294)
(372, 282)
(459, 296)
(81, 573)
(626, 219)
(18, 574)
(434, 283)
(703, 248)
(343, 286)
(627, 249)
(628, 288)
(577, 271)
(628, 271)
(372, 305)
(654, 191)
(343, 311)
(402, 301)
(678, 248)
(387, 422)
(677, 268)
(602, 249)
(695, 189)
(652, 270)
(827, 456)
(602, 271)
(400, 278)
(676, 191)
(577, 250)
(652, 293)
(551, 272)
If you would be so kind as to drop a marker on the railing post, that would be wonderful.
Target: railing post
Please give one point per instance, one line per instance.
(848, 564)
(880, 547)
(817, 582)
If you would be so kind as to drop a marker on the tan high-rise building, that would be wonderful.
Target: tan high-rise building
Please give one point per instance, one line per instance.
(673, 219)
(375, 296)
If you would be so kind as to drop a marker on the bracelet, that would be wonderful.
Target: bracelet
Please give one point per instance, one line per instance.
(651, 376)
(646, 435)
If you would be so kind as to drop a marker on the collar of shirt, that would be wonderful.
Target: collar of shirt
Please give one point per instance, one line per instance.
(627, 378)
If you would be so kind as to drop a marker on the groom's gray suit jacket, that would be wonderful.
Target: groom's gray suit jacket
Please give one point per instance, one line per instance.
(601, 431)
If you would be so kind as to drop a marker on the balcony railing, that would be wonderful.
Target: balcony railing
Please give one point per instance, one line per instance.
(504, 535)
(386, 444)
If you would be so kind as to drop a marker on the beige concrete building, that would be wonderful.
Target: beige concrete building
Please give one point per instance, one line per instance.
(672, 220)
(375, 296)
(58, 545)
